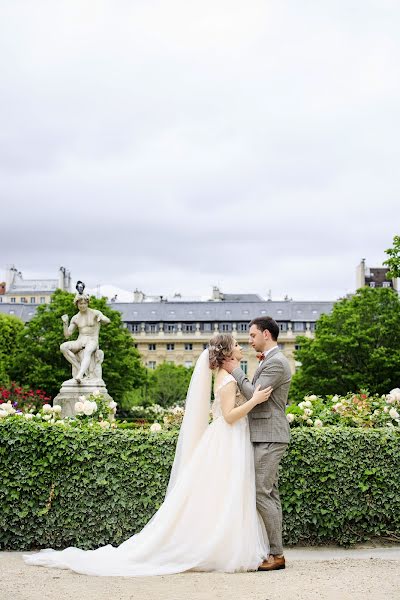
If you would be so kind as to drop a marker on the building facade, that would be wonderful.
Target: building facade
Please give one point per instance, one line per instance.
(17, 290)
(373, 277)
(177, 332)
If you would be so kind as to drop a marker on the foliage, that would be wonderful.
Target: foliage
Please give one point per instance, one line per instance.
(22, 398)
(393, 262)
(356, 346)
(10, 327)
(353, 410)
(85, 486)
(39, 362)
(166, 385)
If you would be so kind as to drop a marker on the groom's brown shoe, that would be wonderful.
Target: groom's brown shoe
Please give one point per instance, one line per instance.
(277, 563)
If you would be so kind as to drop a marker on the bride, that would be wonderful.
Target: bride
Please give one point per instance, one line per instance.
(208, 520)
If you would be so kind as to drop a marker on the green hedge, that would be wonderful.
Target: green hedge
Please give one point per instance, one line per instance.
(86, 487)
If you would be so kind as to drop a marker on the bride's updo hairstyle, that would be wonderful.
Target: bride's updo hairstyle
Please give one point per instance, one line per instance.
(220, 347)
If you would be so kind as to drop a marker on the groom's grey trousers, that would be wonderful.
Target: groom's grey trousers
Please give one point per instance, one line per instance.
(267, 456)
(270, 434)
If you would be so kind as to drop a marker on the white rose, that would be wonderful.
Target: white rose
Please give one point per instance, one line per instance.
(104, 424)
(389, 399)
(377, 412)
(112, 404)
(82, 398)
(57, 408)
(301, 405)
(47, 417)
(60, 422)
(38, 416)
(8, 407)
(88, 408)
(393, 413)
(308, 412)
(304, 417)
(309, 422)
(318, 423)
(290, 417)
(3, 413)
(96, 393)
(28, 416)
(78, 407)
(335, 398)
(155, 427)
(395, 393)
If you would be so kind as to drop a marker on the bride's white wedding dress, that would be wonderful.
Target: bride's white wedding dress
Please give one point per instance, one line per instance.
(207, 522)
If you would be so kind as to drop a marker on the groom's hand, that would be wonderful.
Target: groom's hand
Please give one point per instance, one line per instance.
(230, 364)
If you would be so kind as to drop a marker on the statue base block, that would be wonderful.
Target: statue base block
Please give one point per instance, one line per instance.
(71, 390)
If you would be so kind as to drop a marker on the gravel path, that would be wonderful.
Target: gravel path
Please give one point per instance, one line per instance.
(311, 574)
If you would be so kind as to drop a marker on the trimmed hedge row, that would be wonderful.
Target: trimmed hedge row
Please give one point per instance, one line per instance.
(63, 486)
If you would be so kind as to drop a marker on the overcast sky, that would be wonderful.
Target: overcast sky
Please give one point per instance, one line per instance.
(175, 145)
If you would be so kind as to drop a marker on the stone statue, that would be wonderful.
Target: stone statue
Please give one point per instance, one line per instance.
(84, 353)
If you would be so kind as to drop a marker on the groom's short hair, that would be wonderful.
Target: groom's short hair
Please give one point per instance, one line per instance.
(263, 323)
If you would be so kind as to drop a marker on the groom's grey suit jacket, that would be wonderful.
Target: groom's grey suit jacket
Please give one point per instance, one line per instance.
(267, 421)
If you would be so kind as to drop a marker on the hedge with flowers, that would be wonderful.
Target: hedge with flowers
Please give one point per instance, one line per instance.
(74, 482)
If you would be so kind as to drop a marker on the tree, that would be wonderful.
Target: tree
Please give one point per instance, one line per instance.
(39, 362)
(10, 327)
(355, 347)
(393, 262)
(166, 385)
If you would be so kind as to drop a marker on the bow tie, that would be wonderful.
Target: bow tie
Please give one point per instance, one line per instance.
(261, 356)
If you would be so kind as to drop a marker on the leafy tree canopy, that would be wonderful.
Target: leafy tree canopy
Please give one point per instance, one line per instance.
(10, 328)
(393, 262)
(356, 346)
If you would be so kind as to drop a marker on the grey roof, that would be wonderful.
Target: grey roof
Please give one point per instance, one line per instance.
(241, 298)
(36, 286)
(138, 312)
(24, 311)
(220, 311)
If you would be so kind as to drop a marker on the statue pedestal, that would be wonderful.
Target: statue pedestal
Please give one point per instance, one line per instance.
(71, 390)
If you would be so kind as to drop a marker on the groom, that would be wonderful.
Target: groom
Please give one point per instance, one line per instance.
(269, 428)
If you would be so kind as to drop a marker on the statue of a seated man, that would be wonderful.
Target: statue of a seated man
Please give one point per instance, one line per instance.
(84, 353)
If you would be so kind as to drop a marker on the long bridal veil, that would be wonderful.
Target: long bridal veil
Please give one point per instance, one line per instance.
(195, 420)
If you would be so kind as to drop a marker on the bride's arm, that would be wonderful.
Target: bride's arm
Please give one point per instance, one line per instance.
(231, 413)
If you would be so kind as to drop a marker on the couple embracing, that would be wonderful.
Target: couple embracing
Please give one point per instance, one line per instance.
(222, 510)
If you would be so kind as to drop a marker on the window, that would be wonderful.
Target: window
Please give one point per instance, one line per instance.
(171, 328)
(33, 299)
(243, 327)
(297, 346)
(188, 327)
(152, 347)
(226, 327)
(151, 328)
(151, 364)
(170, 347)
(372, 284)
(188, 346)
(281, 346)
(12, 300)
(283, 326)
(386, 284)
(297, 326)
(42, 299)
(312, 326)
(11, 312)
(243, 366)
(206, 326)
(135, 345)
(188, 364)
(23, 300)
(135, 327)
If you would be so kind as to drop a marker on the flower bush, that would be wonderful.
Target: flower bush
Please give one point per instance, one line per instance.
(91, 409)
(23, 398)
(353, 410)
